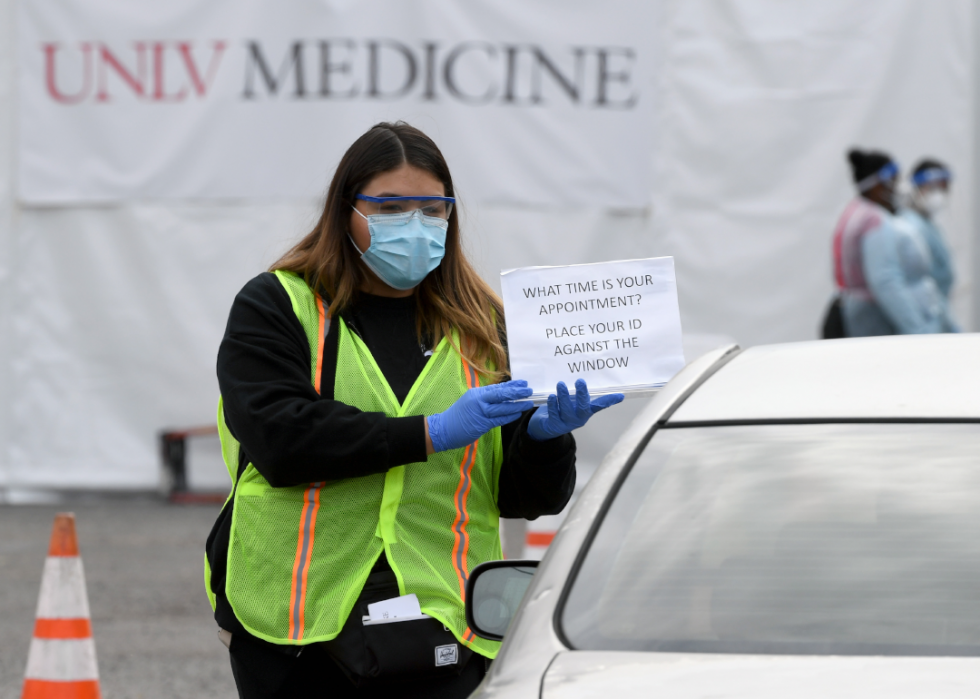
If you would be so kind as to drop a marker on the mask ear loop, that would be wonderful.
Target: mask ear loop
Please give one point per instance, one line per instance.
(352, 237)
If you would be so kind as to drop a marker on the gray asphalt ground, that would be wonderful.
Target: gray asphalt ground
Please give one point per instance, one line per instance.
(154, 633)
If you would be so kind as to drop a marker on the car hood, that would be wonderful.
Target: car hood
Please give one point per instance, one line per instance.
(580, 674)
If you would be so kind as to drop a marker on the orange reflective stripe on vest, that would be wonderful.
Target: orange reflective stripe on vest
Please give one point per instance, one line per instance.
(304, 555)
(322, 335)
(307, 520)
(462, 540)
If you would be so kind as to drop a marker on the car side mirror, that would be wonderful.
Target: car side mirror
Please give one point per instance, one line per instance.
(494, 590)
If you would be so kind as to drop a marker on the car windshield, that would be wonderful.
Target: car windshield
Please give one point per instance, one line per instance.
(843, 539)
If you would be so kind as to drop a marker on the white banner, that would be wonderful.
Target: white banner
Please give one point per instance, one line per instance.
(531, 102)
(615, 324)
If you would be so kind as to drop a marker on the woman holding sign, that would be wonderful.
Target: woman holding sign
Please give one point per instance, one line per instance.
(373, 443)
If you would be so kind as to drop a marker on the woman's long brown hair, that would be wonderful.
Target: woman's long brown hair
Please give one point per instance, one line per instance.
(452, 296)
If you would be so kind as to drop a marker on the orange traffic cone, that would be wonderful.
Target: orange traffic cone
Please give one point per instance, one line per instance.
(61, 663)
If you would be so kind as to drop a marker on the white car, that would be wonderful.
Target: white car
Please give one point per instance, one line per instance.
(798, 520)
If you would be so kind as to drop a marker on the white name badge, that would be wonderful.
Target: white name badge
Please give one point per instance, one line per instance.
(615, 324)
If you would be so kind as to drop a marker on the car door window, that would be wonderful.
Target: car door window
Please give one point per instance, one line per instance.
(831, 538)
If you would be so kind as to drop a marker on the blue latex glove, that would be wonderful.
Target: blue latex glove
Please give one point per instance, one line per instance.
(477, 412)
(563, 414)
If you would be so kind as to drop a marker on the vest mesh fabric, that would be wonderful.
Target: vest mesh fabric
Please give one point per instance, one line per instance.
(439, 519)
(298, 557)
(305, 307)
(266, 579)
(230, 447)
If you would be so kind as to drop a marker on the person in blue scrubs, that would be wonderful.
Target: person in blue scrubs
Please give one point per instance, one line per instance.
(884, 265)
(930, 192)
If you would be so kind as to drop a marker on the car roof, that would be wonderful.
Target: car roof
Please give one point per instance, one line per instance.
(922, 376)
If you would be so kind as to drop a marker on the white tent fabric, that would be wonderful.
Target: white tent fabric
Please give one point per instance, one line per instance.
(110, 316)
(536, 103)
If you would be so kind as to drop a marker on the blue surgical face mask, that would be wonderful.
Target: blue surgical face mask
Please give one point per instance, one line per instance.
(405, 247)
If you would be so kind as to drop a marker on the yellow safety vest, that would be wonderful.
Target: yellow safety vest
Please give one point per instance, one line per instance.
(298, 557)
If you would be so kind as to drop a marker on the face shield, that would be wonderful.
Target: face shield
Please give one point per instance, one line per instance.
(885, 176)
(932, 175)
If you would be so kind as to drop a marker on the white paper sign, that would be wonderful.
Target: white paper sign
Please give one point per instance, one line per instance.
(614, 324)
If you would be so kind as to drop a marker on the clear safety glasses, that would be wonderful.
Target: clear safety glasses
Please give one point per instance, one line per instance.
(435, 207)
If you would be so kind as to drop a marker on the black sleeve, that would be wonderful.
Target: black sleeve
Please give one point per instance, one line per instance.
(290, 433)
(537, 478)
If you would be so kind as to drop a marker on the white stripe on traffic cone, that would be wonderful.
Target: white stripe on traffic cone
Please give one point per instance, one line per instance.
(61, 663)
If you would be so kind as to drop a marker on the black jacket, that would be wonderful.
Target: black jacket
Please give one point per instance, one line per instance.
(293, 436)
